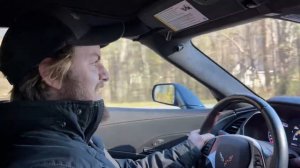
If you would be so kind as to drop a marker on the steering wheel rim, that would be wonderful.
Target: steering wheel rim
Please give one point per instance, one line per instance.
(279, 159)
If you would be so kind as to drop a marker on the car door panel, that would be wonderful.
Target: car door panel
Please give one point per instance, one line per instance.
(135, 132)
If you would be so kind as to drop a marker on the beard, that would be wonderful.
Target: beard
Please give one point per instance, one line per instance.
(74, 89)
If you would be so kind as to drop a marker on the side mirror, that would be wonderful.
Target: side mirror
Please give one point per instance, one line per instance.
(176, 94)
(164, 93)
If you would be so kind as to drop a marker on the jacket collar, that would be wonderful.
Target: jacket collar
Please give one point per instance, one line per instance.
(70, 117)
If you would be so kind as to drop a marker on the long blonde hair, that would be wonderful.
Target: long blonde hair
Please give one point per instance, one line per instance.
(33, 87)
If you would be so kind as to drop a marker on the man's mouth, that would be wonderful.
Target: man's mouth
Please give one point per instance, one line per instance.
(99, 86)
(98, 89)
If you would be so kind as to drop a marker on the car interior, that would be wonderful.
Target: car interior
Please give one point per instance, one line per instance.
(256, 132)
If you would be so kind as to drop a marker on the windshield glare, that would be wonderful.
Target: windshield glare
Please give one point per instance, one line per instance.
(264, 55)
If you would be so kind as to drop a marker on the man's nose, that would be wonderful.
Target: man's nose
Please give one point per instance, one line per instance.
(103, 74)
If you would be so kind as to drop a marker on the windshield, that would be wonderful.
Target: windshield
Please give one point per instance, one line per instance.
(264, 55)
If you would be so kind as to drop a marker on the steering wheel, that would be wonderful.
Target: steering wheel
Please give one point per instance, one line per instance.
(239, 151)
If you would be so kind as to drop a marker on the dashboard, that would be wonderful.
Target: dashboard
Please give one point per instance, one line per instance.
(288, 109)
(261, 132)
(293, 133)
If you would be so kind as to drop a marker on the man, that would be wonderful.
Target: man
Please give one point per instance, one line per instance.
(55, 68)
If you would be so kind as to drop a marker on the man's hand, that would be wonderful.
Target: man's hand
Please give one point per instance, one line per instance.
(199, 140)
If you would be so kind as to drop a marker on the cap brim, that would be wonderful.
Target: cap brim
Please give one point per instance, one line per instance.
(101, 35)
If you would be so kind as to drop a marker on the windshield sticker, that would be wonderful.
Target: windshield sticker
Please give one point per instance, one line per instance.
(180, 16)
(292, 17)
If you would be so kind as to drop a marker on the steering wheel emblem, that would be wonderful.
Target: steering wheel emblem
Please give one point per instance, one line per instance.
(227, 161)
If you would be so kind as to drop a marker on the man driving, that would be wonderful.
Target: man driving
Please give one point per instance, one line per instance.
(53, 61)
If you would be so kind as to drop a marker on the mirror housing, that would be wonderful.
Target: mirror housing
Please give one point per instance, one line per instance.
(176, 94)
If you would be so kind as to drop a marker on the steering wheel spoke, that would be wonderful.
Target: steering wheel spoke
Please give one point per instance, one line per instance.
(232, 151)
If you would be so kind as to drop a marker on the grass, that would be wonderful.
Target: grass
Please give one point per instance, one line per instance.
(208, 103)
(136, 104)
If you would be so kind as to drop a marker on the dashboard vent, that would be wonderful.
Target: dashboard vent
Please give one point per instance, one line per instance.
(235, 126)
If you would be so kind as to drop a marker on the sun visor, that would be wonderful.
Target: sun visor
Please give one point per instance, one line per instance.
(179, 15)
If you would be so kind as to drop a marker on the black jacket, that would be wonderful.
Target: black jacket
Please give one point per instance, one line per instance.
(59, 134)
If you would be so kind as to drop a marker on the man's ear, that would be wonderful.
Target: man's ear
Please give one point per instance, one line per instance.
(44, 70)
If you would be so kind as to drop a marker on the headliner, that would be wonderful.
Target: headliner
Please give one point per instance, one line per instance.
(138, 14)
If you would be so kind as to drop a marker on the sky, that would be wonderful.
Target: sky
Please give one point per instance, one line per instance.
(2, 32)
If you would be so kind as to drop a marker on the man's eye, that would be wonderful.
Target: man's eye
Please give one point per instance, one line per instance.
(95, 62)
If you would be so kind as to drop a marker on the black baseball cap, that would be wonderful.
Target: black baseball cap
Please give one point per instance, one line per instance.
(40, 33)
